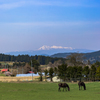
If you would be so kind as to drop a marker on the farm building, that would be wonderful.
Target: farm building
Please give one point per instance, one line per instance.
(4, 70)
(7, 73)
(30, 72)
(54, 79)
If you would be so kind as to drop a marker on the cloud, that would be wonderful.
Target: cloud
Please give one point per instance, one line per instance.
(42, 24)
(67, 3)
(44, 47)
(12, 5)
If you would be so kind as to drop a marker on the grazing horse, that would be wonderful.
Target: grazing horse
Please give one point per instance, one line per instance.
(80, 84)
(63, 85)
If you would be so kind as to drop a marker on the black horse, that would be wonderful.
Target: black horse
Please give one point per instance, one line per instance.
(63, 85)
(80, 84)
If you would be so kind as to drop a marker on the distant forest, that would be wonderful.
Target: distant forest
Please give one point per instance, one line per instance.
(26, 58)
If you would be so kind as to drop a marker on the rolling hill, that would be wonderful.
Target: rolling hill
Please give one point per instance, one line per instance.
(93, 56)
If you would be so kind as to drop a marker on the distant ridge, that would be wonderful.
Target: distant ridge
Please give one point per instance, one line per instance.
(49, 50)
(60, 55)
(92, 56)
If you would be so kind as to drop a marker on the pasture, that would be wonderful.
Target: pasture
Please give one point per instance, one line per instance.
(47, 91)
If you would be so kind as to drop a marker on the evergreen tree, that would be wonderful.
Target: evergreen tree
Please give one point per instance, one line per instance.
(93, 72)
(79, 71)
(86, 71)
(51, 72)
(98, 72)
(62, 71)
(35, 64)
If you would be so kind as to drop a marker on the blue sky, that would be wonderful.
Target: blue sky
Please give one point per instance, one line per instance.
(30, 24)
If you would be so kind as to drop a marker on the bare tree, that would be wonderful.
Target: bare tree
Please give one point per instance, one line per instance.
(55, 64)
(40, 72)
(76, 59)
(27, 68)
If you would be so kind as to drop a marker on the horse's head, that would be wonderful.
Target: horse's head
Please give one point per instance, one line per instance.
(84, 87)
(68, 89)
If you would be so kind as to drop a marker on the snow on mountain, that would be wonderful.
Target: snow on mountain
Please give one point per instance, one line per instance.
(44, 47)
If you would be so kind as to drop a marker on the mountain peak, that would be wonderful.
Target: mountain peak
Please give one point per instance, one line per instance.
(44, 47)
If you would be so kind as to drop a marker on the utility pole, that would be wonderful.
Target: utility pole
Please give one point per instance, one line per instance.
(17, 69)
(11, 68)
(32, 70)
(5, 67)
(22, 69)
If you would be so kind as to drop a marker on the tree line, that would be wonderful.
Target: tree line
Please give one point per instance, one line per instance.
(71, 68)
(74, 73)
(75, 68)
(43, 60)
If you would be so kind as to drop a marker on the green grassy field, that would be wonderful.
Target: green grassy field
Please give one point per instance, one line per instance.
(47, 91)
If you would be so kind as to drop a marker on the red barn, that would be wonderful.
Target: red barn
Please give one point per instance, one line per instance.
(30, 72)
(4, 70)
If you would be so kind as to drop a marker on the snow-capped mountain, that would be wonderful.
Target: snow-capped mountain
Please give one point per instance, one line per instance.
(50, 50)
(54, 47)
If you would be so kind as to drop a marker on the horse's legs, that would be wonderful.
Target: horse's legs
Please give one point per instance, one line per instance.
(66, 89)
(59, 89)
(63, 89)
(79, 87)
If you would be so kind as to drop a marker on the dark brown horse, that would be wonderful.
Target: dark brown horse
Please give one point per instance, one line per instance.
(63, 85)
(80, 84)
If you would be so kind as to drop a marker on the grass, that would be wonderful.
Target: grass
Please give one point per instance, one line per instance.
(7, 62)
(1, 74)
(47, 91)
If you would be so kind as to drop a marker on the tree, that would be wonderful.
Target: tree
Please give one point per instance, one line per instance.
(98, 72)
(76, 59)
(86, 71)
(40, 73)
(55, 71)
(62, 71)
(50, 64)
(57, 63)
(70, 72)
(35, 64)
(93, 72)
(97, 63)
(79, 71)
(26, 68)
(46, 72)
(51, 72)
(88, 62)
(74, 72)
